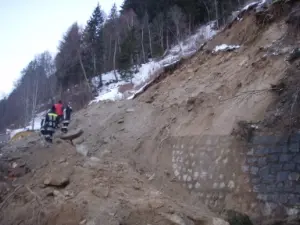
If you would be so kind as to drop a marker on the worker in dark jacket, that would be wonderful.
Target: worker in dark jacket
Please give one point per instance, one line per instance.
(49, 124)
(66, 118)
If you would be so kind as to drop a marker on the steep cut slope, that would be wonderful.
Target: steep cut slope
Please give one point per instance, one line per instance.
(174, 139)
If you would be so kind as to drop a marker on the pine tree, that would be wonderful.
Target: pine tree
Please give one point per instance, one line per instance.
(127, 59)
(93, 42)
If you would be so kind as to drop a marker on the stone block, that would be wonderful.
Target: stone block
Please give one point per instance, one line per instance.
(252, 160)
(251, 152)
(279, 149)
(282, 140)
(280, 186)
(289, 166)
(283, 198)
(255, 180)
(272, 158)
(272, 197)
(294, 147)
(261, 151)
(262, 197)
(294, 199)
(295, 138)
(282, 176)
(271, 188)
(245, 169)
(264, 140)
(269, 179)
(264, 172)
(260, 188)
(275, 168)
(297, 189)
(285, 157)
(262, 161)
(254, 170)
(294, 176)
(297, 159)
(289, 186)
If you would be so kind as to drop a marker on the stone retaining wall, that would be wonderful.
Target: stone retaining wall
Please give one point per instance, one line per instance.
(261, 178)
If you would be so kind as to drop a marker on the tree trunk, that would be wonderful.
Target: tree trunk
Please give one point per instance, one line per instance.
(150, 41)
(94, 65)
(168, 40)
(190, 24)
(143, 49)
(207, 10)
(114, 60)
(109, 51)
(162, 37)
(217, 12)
(34, 102)
(83, 71)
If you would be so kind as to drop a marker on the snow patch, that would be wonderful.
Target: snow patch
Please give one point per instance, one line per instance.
(250, 5)
(225, 47)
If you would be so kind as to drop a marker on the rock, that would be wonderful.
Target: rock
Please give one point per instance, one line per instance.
(218, 221)
(95, 159)
(82, 149)
(68, 194)
(57, 180)
(101, 192)
(14, 165)
(129, 110)
(71, 135)
(156, 203)
(235, 218)
(105, 153)
(62, 160)
(151, 177)
(121, 121)
(78, 141)
(294, 55)
(82, 222)
(176, 219)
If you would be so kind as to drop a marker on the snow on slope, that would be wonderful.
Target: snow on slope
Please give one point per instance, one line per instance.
(37, 125)
(146, 72)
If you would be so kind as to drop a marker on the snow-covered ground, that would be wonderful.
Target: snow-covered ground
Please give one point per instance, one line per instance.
(148, 71)
(37, 125)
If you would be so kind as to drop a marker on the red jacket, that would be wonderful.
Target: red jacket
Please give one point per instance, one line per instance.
(59, 109)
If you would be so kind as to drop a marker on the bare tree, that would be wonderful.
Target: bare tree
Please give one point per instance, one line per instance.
(217, 11)
(178, 19)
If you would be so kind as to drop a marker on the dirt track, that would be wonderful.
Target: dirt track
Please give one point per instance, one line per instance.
(126, 176)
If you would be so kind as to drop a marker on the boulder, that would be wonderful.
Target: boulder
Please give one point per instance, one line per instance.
(236, 218)
(59, 179)
(82, 149)
(71, 135)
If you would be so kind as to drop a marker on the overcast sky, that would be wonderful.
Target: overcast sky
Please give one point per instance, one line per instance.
(29, 27)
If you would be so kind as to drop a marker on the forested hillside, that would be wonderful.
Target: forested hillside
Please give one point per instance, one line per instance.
(120, 42)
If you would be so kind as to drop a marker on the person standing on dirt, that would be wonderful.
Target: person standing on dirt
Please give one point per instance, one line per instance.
(49, 124)
(67, 117)
(59, 110)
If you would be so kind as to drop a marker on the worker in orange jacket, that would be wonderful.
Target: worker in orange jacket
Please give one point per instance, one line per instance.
(59, 110)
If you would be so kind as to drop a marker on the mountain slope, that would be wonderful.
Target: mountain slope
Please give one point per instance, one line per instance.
(169, 153)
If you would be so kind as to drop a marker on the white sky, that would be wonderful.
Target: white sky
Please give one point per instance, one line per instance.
(29, 27)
